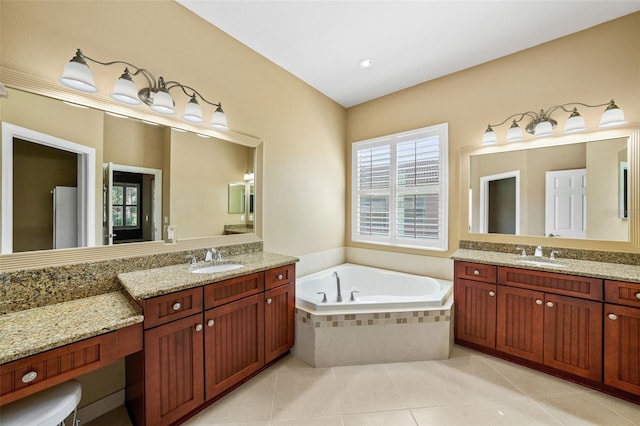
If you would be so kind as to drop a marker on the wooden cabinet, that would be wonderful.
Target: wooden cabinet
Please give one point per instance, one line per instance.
(554, 322)
(622, 336)
(234, 343)
(475, 312)
(200, 343)
(174, 371)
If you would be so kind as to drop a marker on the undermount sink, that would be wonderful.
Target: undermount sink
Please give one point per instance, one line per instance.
(212, 269)
(543, 263)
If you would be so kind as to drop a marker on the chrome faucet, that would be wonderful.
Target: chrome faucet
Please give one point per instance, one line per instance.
(193, 260)
(339, 299)
(212, 254)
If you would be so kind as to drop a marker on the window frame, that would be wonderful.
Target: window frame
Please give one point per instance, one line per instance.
(394, 191)
(124, 205)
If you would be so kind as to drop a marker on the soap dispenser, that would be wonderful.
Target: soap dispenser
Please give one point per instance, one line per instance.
(538, 252)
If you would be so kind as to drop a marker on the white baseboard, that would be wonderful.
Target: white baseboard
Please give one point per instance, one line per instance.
(101, 406)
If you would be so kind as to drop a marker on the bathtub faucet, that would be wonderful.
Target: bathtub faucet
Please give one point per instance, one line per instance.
(339, 299)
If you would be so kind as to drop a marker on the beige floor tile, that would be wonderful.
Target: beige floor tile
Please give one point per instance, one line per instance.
(291, 362)
(313, 421)
(365, 388)
(525, 413)
(581, 408)
(424, 384)
(305, 393)
(116, 417)
(532, 382)
(626, 409)
(381, 418)
(251, 402)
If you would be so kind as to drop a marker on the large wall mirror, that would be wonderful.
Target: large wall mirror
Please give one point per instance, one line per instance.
(82, 177)
(575, 187)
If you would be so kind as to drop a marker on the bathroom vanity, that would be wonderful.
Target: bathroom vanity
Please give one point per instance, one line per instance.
(202, 341)
(578, 320)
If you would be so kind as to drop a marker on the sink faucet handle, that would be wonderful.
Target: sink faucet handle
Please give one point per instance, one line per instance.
(522, 250)
(193, 259)
(553, 254)
(208, 256)
(352, 298)
(324, 296)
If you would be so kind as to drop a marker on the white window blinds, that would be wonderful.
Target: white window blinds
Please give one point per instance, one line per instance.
(400, 189)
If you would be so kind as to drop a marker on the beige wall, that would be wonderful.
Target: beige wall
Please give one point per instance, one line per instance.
(133, 143)
(592, 66)
(602, 183)
(303, 131)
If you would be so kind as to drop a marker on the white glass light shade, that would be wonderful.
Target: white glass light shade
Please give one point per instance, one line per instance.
(219, 120)
(515, 133)
(163, 102)
(125, 91)
(489, 137)
(543, 128)
(612, 116)
(78, 76)
(193, 112)
(575, 123)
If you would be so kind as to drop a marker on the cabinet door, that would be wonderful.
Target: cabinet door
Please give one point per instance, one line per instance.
(520, 322)
(173, 370)
(573, 335)
(279, 319)
(234, 343)
(622, 348)
(475, 312)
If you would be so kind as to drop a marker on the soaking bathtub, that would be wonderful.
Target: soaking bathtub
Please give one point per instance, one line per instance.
(384, 316)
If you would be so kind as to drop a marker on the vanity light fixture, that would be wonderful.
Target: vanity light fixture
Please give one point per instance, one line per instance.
(155, 94)
(542, 124)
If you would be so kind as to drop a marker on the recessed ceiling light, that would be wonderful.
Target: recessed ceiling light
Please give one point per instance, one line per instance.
(366, 63)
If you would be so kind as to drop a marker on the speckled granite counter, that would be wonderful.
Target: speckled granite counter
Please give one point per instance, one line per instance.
(610, 271)
(158, 281)
(36, 330)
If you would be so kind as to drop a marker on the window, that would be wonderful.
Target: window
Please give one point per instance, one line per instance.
(400, 189)
(125, 212)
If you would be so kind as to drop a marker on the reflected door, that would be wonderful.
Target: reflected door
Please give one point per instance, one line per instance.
(566, 203)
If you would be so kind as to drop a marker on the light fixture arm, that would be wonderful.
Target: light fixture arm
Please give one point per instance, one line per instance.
(151, 80)
(554, 108)
(171, 84)
(522, 115)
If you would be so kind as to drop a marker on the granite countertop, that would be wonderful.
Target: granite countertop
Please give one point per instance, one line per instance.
(609, 271)
(36, 330)
(158, 281)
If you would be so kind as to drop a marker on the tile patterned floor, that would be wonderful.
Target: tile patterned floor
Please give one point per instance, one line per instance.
(468, 389)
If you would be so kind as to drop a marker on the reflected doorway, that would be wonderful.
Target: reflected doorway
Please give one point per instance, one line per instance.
(500, 203)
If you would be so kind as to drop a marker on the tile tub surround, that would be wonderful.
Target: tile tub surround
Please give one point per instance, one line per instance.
(587, 268)
(372, 338)
(625, 258)
(40, 329)
(158, 281)
(32, 288)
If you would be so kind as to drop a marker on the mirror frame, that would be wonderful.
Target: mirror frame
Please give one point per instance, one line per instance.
(18, 80)
(633, 245)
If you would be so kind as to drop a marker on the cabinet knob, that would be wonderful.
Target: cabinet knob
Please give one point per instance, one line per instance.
(613, 317)
(280, 276)
(198, 327)
(176, 306)
(550, 304)
(476, 272)
(269, 301)
(210, 323)
(638, 295)
(29, 377)
(538, 302)
(492, 293)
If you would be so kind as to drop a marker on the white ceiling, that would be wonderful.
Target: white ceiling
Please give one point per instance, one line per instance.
(322, 42)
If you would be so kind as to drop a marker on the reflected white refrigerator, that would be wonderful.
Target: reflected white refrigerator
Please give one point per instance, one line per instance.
(65, 217)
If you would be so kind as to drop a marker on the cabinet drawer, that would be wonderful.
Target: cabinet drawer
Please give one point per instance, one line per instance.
(476, 272)
(222, 292)
(622, 293)
(568, 285)
(280, 276)
(37, 372)
(162, 309)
